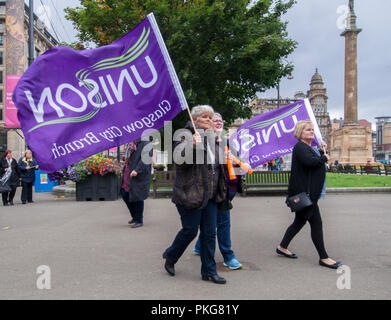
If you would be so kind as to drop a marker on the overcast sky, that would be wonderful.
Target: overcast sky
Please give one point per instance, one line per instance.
(315, 25)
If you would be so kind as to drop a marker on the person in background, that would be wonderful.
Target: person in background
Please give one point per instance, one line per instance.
(280, 163)
(223, 216)
(27, 165)
(136, 180)
(9, 167)
(277, 164)
(308, 172)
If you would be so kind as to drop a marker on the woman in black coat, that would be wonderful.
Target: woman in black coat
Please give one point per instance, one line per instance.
(136, 180)
(8, 163)
(308, 166)
(27, 165)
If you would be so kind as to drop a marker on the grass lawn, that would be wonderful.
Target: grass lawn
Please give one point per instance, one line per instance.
(339, 180)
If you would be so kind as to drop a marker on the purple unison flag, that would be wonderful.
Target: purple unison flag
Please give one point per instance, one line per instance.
(73, 104)
(271, 135)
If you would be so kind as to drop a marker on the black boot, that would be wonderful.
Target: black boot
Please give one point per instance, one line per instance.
(169, 266)
(215, 278)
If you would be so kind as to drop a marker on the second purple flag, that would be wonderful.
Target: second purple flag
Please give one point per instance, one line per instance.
(73, 104)
(271, 135)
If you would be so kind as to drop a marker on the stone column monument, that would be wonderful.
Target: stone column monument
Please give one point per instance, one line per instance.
(350, 35)
(351, 143)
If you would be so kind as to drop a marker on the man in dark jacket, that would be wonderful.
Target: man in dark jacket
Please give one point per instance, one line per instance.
(136, 180)
(198, 189)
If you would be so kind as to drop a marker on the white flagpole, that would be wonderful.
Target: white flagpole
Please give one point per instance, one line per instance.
(317, 132)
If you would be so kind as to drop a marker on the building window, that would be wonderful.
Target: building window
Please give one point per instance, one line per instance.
(1, 40)
(1, 96)
(380, 136)
(3, 137)
(1, 57)
(36, 54)
(1, 76)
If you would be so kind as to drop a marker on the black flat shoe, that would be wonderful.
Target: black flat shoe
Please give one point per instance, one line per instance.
(169, 266)
(331, 266)
(215, 278)
(131, 221)
(292, 256)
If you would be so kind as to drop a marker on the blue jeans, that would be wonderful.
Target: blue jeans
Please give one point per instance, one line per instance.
(136, 208)
(205, 219)
(223, 233)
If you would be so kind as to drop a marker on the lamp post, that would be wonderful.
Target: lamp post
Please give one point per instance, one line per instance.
(31, 33)
(278, 90)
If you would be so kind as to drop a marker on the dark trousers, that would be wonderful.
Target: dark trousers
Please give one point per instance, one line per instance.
(136, 208)
(312, 215)
(223, 233)
(205, 219)
(27, 191)
(9, 196)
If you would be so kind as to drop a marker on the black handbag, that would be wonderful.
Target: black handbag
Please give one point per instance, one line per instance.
(300, 201)
(226, 204)
(4, 187)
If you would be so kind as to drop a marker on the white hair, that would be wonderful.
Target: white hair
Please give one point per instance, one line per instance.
(218, 115)
(198, 110)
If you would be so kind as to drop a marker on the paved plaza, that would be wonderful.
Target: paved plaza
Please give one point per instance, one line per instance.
(92, 253)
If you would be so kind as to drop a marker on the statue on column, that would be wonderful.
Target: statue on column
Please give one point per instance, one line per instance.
(351, 6)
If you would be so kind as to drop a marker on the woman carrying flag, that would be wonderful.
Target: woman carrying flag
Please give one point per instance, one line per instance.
(198, 189)
(223, 216)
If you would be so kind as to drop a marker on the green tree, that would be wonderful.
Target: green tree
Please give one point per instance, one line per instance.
(224, 51)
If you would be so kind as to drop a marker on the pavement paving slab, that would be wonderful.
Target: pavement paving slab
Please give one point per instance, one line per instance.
(92, 253)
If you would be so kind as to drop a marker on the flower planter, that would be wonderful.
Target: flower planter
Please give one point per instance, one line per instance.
(98, 188)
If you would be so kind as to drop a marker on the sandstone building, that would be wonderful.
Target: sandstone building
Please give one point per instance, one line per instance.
(383, 139)
(13, 138)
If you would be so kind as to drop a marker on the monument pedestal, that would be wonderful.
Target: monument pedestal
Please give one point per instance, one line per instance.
(351, 144)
